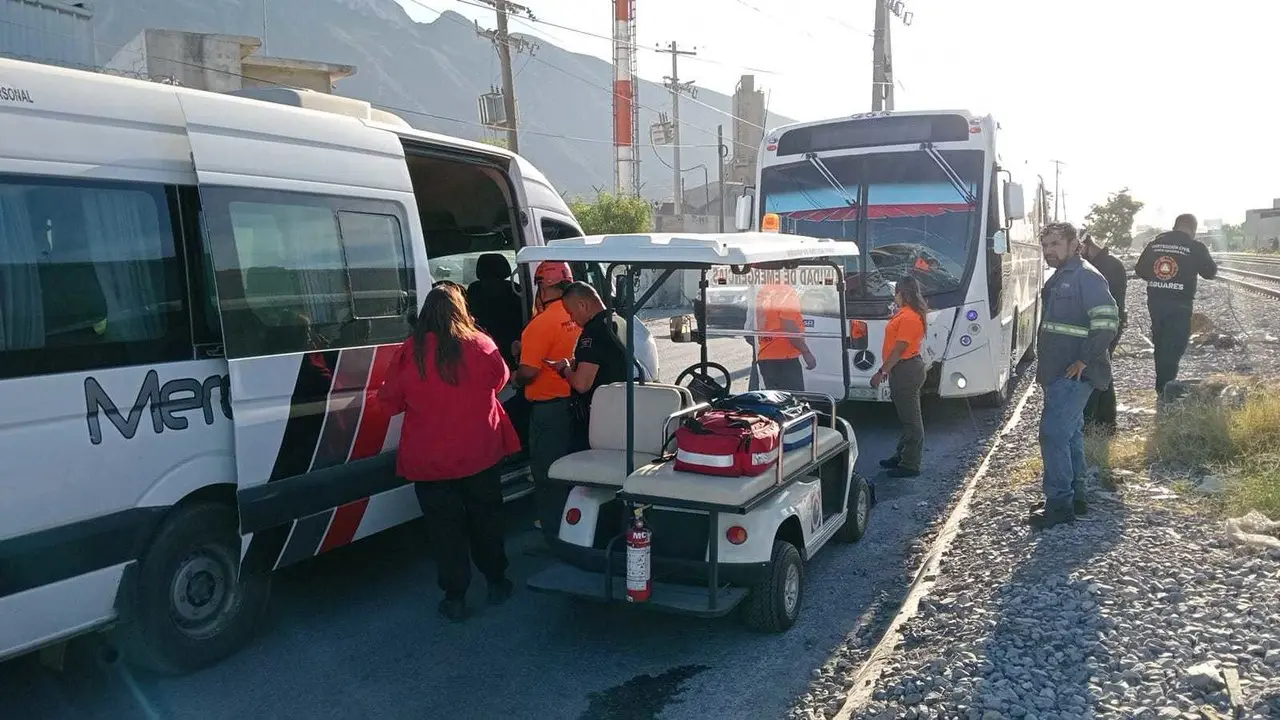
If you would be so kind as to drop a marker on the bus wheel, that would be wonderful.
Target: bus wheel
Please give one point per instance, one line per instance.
(189, 607)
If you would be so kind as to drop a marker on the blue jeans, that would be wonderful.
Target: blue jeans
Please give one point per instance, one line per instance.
(1062, 442)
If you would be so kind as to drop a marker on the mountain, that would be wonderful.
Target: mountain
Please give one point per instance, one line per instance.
(441, 68)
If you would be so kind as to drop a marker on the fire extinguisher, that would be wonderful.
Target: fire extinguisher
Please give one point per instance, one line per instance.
(639, 576)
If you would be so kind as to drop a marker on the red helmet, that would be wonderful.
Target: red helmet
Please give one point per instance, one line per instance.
(552, 273)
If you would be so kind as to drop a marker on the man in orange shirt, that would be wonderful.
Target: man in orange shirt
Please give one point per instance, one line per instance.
(550, 336)
(778, 310)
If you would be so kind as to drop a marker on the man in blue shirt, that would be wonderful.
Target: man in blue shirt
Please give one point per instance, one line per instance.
(1079, 318)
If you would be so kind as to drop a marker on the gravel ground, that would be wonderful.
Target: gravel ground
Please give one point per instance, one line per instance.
(1140, 609)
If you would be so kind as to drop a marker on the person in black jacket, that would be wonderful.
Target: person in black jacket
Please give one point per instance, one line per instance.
(1170, 264)
(1101, 409)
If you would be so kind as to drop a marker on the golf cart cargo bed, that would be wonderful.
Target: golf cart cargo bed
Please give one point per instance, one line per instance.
(661, 484)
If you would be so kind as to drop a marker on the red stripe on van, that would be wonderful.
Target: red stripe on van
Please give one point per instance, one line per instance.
(372, 433)
(346, 520)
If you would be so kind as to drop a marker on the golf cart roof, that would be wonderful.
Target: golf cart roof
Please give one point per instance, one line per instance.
(688, 249)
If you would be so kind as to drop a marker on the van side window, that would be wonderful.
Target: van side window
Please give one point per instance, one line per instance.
(90, 277)
(301, 273)
(555, 230)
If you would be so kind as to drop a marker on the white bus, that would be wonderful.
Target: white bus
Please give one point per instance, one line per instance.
(199, 296)
(923, 193)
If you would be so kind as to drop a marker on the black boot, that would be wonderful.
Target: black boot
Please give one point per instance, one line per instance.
(1044, 519)
(1079, 505)
(500, 591)
(453, 610)
(892, 462)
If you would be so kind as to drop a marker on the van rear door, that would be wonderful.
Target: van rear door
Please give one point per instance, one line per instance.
(311, 242)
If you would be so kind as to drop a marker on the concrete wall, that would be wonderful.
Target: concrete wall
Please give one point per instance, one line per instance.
(268, 76)
(1262, 228)
(206, 62)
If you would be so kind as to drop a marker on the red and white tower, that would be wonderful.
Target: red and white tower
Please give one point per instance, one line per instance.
(626, 170)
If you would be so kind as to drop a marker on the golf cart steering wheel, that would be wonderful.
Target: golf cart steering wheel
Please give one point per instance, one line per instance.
(701, 383)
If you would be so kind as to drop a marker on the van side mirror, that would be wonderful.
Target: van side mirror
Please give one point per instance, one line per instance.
(1000, 242)
(742, 213)
(1014, 204)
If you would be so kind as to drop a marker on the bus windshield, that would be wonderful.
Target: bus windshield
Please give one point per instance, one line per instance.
(917, 220)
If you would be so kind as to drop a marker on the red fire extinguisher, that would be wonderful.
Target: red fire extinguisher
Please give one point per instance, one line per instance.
(639, 577)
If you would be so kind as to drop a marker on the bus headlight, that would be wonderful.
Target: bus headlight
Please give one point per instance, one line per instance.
(959, 380)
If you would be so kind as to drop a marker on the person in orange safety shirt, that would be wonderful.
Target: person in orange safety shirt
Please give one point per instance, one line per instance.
(550, 336)
(778, 358)
(904, 369)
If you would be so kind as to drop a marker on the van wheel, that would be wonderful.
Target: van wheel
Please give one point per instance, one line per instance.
(189, 607)
(855, 525)
(774, 604)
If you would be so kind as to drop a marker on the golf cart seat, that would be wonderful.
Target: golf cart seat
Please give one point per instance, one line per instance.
(661, 480)
(605, 464)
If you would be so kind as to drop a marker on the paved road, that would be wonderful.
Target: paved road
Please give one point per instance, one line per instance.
(355, 634)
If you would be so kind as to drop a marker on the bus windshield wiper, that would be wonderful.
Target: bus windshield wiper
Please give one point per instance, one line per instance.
(952, 176)
(826, 174)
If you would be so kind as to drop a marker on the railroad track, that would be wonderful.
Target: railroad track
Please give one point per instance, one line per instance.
(1245, 279)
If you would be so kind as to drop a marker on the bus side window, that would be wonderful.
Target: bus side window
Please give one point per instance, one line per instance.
(303, 273)
(90, 276)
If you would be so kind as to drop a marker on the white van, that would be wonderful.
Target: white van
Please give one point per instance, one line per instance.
(199, 296)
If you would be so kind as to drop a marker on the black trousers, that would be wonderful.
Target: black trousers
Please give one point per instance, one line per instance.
(464, 523)
(1170, 331)
(782, 374)
(1101, 409)
(553, 433)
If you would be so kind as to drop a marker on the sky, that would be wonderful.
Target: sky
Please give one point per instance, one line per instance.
(1173, 100)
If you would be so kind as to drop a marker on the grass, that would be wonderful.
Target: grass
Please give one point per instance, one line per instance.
(1241, 444)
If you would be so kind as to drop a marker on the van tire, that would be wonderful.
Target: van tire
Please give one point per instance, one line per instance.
(855, 523)
(198, 546)
(767, 607)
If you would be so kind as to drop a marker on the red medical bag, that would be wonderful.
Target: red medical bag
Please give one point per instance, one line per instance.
(727, 443)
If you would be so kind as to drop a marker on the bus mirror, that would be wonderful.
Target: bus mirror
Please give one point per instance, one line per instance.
(1000, 242)
(1014, 206)
(742, 213)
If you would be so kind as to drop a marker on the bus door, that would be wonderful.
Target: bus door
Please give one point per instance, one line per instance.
(309, 246)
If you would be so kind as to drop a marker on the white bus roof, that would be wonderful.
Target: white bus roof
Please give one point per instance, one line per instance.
(689, 249)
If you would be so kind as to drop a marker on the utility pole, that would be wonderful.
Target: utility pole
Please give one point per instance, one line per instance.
(503, 41)
(1057, 181)
(722, 153)
(882, 53)
(676, 87)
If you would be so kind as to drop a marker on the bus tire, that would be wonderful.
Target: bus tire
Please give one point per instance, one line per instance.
(189, 607)
(774, 604)
(855, 524)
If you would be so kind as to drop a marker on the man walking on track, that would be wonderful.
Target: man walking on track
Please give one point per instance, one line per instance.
(1080, 319)
(1170, 264)
(1101, 410)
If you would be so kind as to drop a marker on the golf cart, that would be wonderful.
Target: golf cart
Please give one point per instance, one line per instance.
(713, 543)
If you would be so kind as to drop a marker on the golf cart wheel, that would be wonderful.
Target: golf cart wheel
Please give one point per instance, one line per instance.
(774, 604)
(189, 606)
(855, 525)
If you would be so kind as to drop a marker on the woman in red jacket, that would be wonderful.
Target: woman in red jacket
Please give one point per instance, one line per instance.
(445, 380)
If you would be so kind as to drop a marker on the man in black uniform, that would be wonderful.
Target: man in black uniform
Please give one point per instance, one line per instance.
(1101, 409)
(1170, 264)
(600, 356)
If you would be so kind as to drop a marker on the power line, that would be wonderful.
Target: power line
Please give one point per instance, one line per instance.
(229, 73)
(534, 21)
(608, 90)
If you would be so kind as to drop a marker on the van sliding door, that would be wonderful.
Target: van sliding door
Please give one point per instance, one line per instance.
(306, 226)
